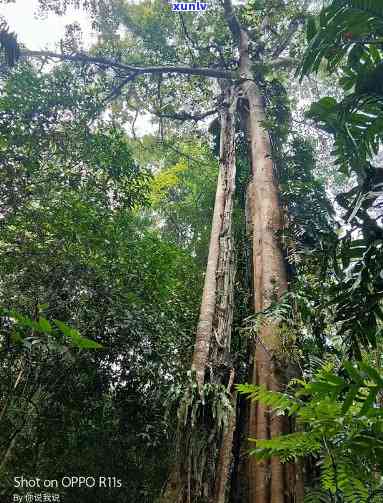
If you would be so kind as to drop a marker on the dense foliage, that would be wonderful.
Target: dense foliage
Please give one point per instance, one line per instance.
(78, 246)
(104, 238)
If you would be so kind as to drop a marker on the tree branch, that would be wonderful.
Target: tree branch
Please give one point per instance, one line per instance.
(232, 19)
(187, 36)
(184, 116)
(207, 48)
(116, 91)
(283, 62)
(132, 71)
(291, 30)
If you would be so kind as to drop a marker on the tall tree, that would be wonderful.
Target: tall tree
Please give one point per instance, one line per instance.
(148, 71)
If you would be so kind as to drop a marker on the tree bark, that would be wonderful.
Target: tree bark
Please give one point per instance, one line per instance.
(207, 311)
(212, 346)
(218, 270)
(266, 479)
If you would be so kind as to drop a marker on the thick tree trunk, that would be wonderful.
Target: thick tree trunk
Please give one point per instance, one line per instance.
(212, 347)
(267, 480)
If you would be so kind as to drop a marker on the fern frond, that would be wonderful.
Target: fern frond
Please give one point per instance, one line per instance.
(328, 475)
(353, 489)
(318, 496)
(287, 447)
(277, 401)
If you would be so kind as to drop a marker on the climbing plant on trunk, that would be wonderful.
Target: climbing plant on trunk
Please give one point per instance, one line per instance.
(207, 408)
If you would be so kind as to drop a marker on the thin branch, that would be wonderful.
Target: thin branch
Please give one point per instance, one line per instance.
(232, 19)
(291, 30)
(192, 159)
(182, 116)
(188, 37)
(283, 62)
(216, 47)
(116, 91)
(185, 116)
(134, 125)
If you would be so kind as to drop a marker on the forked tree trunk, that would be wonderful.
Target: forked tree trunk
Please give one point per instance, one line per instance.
(212, 346)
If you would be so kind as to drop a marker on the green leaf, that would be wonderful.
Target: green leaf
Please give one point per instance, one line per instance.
(369, 402)
(44, 325)
(372, 373)
(350, 397)
(312, 29)
(77, 339)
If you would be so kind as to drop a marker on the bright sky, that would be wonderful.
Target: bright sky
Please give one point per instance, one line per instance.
(37, 33)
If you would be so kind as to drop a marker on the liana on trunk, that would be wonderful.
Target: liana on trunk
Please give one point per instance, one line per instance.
(205, 435)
